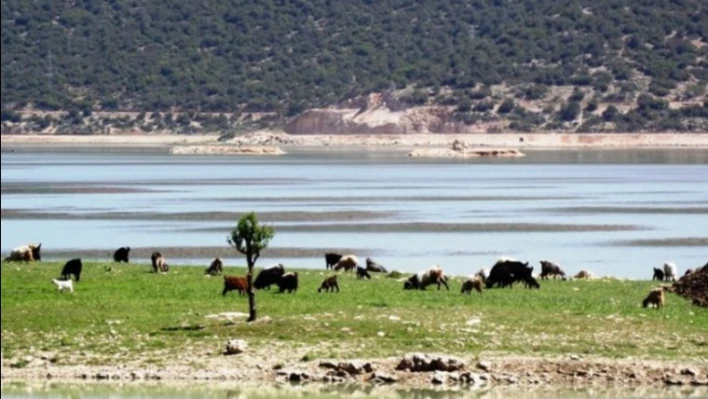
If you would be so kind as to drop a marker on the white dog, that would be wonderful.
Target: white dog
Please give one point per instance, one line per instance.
(64, 285)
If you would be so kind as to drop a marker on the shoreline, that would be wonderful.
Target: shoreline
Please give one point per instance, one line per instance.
(265, 365)
(357, 142)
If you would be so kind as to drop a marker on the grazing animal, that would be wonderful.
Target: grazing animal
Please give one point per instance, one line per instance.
(658, 274)
(670, 272)
(269, 276)
(374, 267)
(434, 275)
(25, 253)
(348, 262)
(362, 273)
(121, 254)
(331, 259)
(74, 267)
(472, 282)
(584, 275)
(235, 283)
(655, 297)
(531, 282)
(158, 263)
(215, 268)
(288, 282)
(483, 274)
(329, 284)
(64, 285)
(506, 272)
(549, 268)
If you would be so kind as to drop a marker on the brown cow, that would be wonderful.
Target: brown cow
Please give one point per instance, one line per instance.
(235, 283)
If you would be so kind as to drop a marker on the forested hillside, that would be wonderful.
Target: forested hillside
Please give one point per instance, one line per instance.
(536, 64)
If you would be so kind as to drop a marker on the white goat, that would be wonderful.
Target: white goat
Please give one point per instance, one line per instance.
(64, 285)
(670, 271)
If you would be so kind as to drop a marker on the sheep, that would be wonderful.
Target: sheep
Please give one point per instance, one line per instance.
(658, 274)
(288, 282)
(472, 282)
(121, 254)
(374, 267)
(584, 274)
(670, 272)
(25, 253)
(655, 297)
(158, 263)
(362, 273)
(329, 284)
(434, 275)
(348, 262)
(269, 276)
(549, 268)
(235, 283)
(62, 285)
(216, 267)
(73, 266)
(331, 259)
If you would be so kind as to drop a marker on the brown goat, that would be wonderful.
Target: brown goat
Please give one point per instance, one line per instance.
(329, 284)
(472, 282)
(655, 297)
(235, 283)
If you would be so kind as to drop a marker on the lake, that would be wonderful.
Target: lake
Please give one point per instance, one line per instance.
(238, 390)
(614, 212)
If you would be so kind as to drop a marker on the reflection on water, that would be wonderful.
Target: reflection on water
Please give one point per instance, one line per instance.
(546, 188)
(238, 390)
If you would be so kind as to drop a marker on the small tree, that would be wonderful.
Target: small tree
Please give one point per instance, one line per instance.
(249, 238)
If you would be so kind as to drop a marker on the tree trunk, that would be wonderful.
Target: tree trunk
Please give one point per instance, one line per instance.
(251, 294)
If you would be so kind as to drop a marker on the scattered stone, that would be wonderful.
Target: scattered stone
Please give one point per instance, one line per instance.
(102, 375)
(353, 368)
(332, 379)
(484, 366)
(437, 379)
(669, 380)
(382, 378)
(235, 346)
(421, 362)
(574, 357)
(327, 365)
(697, 382)
(690, 372)
(297, 376)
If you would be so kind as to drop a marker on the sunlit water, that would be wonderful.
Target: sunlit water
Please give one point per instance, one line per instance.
(545, 187)
(238, 390)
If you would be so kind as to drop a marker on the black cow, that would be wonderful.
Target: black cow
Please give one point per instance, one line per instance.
(362, 273)
(288, 282)
(374, 267)
(269, 276)
(72, 267)
(121, 254)
(331, 259)
(506, 272)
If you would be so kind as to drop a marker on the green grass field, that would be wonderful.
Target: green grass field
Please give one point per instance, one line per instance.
(130, 311)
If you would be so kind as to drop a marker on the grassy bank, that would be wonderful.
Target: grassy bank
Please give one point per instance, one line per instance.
(129, 313)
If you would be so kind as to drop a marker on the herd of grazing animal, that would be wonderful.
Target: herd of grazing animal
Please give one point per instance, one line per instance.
(504, 273)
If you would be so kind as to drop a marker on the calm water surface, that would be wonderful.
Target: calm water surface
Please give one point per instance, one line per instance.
(222, 390)
(639, 194)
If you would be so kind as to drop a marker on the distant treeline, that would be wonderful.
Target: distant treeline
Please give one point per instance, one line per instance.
(285, 56)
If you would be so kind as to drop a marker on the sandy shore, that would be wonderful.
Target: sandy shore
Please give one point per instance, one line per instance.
(358, 142)
(282, 364)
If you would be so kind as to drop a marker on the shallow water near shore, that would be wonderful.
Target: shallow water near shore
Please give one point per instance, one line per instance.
(234, 390)
(615, 212)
